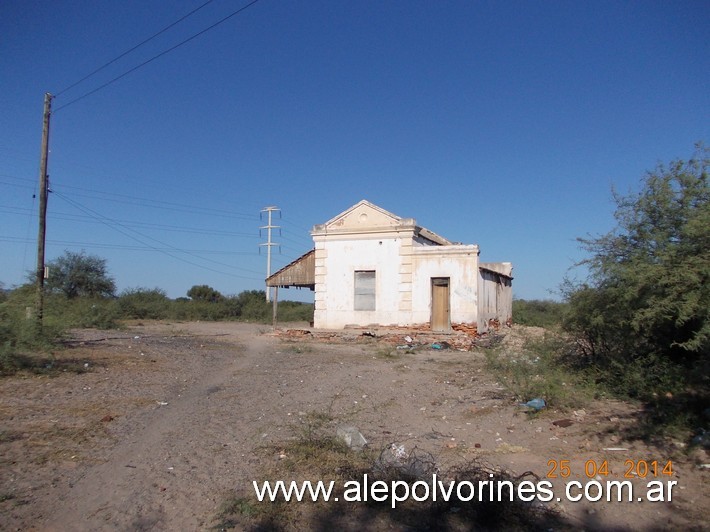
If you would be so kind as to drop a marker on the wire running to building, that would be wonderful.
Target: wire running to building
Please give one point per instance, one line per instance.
(161, 54)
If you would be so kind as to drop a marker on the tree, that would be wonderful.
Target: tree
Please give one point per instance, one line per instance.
(646, 305)
(79, 274)
(252, 305)
(204, 293)
(144, 303)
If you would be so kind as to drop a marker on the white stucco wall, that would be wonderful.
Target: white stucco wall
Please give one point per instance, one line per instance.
(405, 258)
(460, 264)
(341, 258)
(345, 257)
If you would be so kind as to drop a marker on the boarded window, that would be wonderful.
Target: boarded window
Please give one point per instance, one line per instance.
(365, 290)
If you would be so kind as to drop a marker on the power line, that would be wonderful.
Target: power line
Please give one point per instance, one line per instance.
(131, 223)
(127, 232)
(279, 259)
(297, 238)
(158, 204)
(132, 49)
(29, 226)
(287, 234)
(300, 223)
(134, 200)
(103, 245)
(96, 175)
(17, 186)
(85, 95)
(9, 176)
(301, 242)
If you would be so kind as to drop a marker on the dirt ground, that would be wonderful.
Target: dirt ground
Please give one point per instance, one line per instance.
(163, 421)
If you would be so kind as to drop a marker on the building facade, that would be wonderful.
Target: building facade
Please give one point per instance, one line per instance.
(373, 267)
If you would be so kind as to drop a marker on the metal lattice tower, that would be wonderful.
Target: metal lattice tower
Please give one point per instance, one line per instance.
(269, 244)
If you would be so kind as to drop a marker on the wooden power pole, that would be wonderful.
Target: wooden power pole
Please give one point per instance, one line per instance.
(43, 191)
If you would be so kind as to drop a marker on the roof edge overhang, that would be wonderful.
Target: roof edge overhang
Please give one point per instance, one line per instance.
(321, 231)
(446, 251)
(306, 279)
(433, 237)
(500, 268)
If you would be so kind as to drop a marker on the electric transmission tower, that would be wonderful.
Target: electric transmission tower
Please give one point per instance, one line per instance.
(269, 244)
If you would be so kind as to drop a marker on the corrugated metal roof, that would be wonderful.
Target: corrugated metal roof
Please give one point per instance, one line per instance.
(301, 273)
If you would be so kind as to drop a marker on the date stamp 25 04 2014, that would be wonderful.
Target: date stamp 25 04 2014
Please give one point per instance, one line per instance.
(600, 468)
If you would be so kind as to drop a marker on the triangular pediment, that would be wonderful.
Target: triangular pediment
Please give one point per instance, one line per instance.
(361, 216)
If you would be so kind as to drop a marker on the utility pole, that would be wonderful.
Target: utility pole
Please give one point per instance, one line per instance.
(269, 244)
(43, 190)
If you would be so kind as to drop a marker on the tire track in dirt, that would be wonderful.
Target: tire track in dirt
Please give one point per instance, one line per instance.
(230, 390)
(168, 472)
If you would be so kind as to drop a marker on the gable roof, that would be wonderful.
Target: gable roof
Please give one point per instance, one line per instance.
(363, 214)
(365, 217)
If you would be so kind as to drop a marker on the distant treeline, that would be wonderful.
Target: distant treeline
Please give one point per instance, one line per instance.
(538, 312)
(19, 333)
(147, 303)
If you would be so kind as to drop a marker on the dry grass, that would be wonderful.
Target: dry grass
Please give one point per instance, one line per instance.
(314, 453)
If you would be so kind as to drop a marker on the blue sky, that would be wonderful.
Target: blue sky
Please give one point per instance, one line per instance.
(503, 124)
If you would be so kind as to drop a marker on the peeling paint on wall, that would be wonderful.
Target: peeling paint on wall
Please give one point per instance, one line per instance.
(406, 258)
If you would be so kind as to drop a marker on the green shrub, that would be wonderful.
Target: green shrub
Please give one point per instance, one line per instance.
(646, 303)
(642, 318)
(19, 333)
(144, 303)
(295, 311)
(253, 306)
(199, 310)
(96, 312)
(204, 292)
(541, 368)
(79, 275)
(538, 312)
(21, 338)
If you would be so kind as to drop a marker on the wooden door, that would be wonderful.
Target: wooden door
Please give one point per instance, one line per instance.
(440, 319)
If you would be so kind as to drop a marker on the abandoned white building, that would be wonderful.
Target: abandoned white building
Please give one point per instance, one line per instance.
(371, 267)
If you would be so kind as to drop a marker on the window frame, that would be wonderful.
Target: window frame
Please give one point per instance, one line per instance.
(364, 290)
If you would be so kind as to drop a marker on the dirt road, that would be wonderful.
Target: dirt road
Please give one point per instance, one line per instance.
(166, 420)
